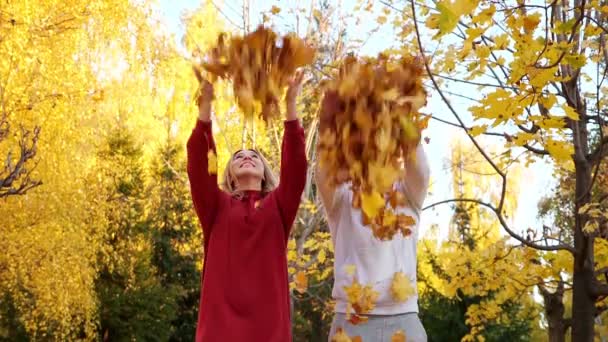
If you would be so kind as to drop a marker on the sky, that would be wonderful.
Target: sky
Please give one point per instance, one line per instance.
(537, 179)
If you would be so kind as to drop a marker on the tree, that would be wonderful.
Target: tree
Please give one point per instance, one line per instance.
(134, 302)
(47, 87)
(537, 74)
(176, 237)
(475, 284)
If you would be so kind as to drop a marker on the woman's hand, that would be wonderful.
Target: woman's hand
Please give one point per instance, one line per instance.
(205, 97)
(293, 90)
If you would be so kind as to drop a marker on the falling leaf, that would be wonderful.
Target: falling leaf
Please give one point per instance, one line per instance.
(275, 10)
(301, 281)
(399, 336)
(211, 162)
(317, 14)
(372, 203)
(401, 287)
(381, 19)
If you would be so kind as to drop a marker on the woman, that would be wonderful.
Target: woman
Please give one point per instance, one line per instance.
(375, 261)
(244, 292)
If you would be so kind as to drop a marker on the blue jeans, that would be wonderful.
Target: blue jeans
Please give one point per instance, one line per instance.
(380, 328)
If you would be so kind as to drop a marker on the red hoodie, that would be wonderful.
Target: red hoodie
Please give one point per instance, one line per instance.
(245, 290)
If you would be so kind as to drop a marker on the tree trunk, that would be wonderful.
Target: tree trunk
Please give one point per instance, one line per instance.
(583, 302)
(554, 310)
(583, 305)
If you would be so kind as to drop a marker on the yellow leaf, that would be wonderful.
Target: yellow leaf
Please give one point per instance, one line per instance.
(401, 287)
(531, 22)
(399, 336)
(381, 19)
(570, 112)
(477, 130)
(372, 203)
(321, 257)
(350, 269)
(591, 226)
(211, 162)
(341, 336)
(275, 10)
(561, 152)
(301, 281)
(361, 298)
(317, 14)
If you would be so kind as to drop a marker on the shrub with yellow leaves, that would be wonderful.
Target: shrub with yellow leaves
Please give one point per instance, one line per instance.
(259, 65)
(375, 126)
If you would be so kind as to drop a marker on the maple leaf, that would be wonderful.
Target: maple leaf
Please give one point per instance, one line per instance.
(211, 162)
(401, 287)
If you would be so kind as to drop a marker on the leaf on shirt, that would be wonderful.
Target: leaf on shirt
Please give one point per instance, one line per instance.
(341, 336)
(350, 269)
(361, 299)
(211, 163)
(399, 336)
(401, 287)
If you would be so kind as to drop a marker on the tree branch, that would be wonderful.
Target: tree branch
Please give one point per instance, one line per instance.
(15, 178)
(600, 152)
(505, 225)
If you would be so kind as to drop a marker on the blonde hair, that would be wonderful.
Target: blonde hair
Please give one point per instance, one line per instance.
(269, 180)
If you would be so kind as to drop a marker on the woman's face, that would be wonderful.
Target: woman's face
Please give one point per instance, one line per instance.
(247, 163)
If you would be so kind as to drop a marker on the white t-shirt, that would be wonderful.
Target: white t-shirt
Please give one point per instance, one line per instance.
(375, 261)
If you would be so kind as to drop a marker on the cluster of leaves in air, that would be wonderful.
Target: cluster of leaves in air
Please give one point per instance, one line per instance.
(376, 128)
(259, 65)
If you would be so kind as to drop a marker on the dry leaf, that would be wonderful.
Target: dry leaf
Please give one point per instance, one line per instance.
(275, 10)
(259, 65)
(341, 336)
(362, 299)
(399, 336)
(301, 281)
